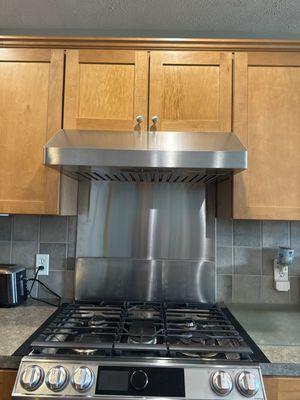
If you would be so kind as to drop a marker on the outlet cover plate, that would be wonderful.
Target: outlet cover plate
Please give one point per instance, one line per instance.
(42, 259)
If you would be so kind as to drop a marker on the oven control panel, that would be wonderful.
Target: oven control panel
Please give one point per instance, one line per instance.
(47, 379)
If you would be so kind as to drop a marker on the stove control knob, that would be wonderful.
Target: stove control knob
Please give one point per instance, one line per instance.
(247, 383)
(139, 380)
(221, 383)
(83, 379)
(57, 378)
(32, 377)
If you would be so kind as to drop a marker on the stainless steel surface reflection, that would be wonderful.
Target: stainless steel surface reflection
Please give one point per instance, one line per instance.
(146, 221)
(70, 148)
(144, 280)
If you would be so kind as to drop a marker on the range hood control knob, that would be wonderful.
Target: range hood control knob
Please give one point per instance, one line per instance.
(139, 380)
(83, 379)
(57, 378)
(221, 383)
(247, 384)
(32, 377)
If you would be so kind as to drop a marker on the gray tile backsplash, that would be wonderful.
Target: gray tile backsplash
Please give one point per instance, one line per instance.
(244, 255)
(23, 236)
(253, 245)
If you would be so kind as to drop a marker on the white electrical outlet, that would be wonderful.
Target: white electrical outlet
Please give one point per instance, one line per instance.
(42, 260)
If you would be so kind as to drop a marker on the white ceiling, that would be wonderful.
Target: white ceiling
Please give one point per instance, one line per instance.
(181, 18)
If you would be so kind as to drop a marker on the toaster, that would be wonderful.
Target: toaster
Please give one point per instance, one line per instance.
(13, 288)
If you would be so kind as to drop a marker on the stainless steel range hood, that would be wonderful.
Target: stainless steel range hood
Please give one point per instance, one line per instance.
(145, 156)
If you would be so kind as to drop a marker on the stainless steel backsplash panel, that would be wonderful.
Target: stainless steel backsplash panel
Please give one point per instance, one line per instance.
(145, 220)
(144, 280)
(151, 241)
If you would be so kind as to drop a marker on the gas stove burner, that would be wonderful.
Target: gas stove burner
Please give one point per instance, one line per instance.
(85, 352)
(142, 340)
(83, 338)
(141, 332)
(190, 338)
(87, 314)
(97, 323)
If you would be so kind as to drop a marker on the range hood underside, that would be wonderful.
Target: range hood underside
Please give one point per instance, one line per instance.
(111, 174)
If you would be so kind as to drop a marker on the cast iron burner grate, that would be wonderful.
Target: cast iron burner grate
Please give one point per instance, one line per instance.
(129, 329)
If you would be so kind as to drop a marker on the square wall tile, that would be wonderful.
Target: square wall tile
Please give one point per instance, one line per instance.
(72, 229)
(24, 253)
(271, 295)
(246, 233)
(25, 227)
(53, 229)
(295, 290)
(224, 288)
(61, 282)
(268, 256)
(295, 236)
(5, 228)
(4, 252)
(247, 260)
(224, 232)
(71, 254)
(224, 260)
(57, 255)
(275, 233)
(247, 289)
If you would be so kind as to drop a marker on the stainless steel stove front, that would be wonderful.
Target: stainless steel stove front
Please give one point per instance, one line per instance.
(83, 378)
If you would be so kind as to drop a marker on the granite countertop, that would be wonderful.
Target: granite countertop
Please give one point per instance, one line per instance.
(16, 325)
(276, 330)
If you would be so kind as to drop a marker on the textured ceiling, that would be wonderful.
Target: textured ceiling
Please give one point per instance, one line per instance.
(181, 18)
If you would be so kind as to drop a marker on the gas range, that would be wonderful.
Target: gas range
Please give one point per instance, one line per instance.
(140, 350)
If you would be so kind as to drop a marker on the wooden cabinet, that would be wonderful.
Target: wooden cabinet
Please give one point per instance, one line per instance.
(31, 86)
(7, 381)
(106, 89)
(191, 91)
(188, 91)
(282, 388)
(267, 120)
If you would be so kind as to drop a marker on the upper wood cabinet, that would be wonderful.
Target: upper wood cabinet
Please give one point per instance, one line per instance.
(106, 89)
(187, 91)
(191, 91)
(31, 86)
(267, 120)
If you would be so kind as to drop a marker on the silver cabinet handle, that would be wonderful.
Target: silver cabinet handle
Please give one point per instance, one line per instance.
(139, 119)
(155, 119)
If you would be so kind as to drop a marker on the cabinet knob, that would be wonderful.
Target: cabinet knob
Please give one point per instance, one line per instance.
(155, 119)
(139, 119)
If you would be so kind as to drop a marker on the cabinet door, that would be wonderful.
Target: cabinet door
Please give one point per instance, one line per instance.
(190, 91)
(267, 120)
(7, 381)
(282, 388)
(106, 90)
(31, 83)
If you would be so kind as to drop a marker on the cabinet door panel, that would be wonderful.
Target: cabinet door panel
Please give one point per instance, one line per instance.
(267, 120)
(7, 381)
(282, 388)
(191, 91)
(106, 90)
(30, 113)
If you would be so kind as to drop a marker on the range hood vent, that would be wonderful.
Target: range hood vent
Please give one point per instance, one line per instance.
(173, 157)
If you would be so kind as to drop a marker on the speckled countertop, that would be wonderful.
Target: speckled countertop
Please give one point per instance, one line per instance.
(16, 325)
(276, 330)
